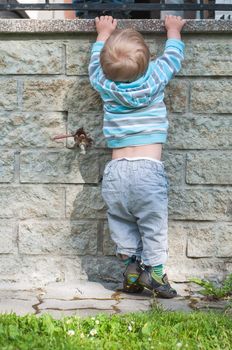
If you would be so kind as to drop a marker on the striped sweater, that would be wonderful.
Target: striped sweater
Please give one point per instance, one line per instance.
(134, 112)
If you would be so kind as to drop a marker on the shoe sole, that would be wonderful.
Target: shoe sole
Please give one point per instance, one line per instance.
(158, 293)
(133, 289)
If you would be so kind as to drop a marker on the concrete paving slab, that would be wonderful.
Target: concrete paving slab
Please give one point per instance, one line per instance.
(84, 298)
(54, 304)
(78, 290)
(183, 289)
(20, 307)
(18, 294)
(127, 305)
(175, 304)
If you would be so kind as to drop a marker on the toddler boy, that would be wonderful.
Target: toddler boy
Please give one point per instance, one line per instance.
(134, 186)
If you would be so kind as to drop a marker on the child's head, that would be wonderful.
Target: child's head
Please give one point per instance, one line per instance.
(125, 56)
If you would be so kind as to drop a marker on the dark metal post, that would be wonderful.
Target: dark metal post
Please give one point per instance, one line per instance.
(201, 11)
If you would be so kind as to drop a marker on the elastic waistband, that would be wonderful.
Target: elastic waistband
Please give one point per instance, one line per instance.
(139, 158)
(135, 163)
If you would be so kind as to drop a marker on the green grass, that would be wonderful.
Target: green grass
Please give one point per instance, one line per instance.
(158, 330)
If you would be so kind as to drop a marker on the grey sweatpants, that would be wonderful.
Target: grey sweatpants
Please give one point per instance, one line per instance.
(135, 192)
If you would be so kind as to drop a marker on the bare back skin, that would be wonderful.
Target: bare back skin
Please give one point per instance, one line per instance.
(151, 151)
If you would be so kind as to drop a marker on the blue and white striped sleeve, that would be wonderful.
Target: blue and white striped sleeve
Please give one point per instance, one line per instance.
(94, 65)
(167, 65)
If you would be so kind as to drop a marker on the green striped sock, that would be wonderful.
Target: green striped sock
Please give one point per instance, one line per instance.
(127, 261)
(158, 270)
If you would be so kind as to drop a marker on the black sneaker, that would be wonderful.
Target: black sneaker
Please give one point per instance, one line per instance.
(160, 285)
(131, 275)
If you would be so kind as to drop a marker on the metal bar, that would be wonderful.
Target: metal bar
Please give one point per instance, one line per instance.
(201, 11)
(116, 7)
(162, 4)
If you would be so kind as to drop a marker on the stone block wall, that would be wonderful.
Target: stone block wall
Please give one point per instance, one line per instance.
(52, 219)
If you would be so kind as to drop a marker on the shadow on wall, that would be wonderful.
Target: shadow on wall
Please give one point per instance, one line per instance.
(88, 223)
(89, 236)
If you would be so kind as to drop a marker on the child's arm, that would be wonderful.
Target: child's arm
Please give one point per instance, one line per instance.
(167, 65)
(105, 25)
(174, 26)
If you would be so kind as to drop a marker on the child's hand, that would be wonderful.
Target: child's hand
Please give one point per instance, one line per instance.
(105, 26)
(174, 24)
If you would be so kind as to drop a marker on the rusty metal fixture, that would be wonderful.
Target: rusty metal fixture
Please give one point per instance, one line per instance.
(81, 139)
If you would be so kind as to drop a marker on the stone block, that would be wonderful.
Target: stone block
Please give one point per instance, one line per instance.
(66, 166)
(207, 56)
(30, 57)
(199, 132)
(78, 57)
(211, 96)
(109, 247)
(7, 166)
(209, 240)
(41, 269)
(83, 98)
(224, 240)
(8, 96)
(84, 202)
(49, 94)
(182, 269)
(31, 202)
(60, 94)
(174, 164)
(202, 240)
(209, 168)
(92, 123)
(200, 204)
(10, 268)
(8, 237)
(18, 129)
(35, 269)
(177, 238)
(58, 237)
(176, 96)
(156, 45)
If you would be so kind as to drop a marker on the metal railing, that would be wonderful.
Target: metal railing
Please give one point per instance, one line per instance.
(87, 7)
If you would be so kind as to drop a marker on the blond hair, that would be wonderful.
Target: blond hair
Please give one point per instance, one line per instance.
(125, 56)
